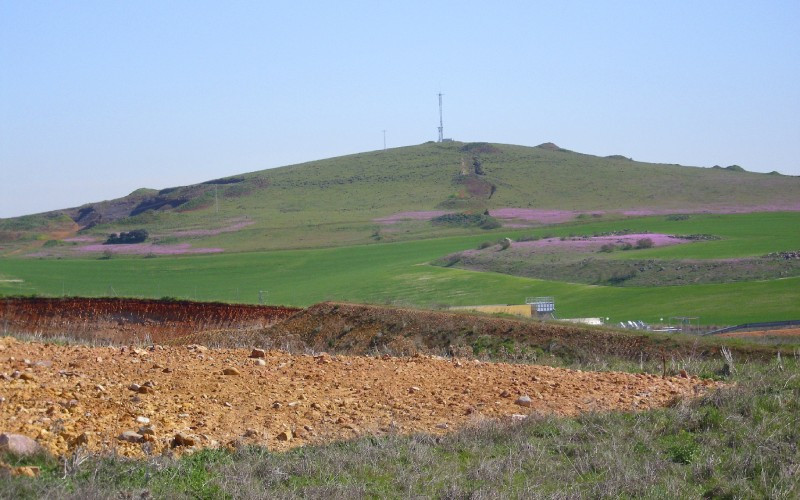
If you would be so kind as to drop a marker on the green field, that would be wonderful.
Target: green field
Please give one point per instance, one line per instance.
(399, 273)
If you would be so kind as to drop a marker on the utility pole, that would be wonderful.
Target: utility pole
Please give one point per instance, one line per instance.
(441, 124)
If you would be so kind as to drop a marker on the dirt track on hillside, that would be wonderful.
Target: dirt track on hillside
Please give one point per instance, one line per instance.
(70, 396)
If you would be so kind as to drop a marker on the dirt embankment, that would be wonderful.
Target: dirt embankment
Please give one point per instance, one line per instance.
(137, 401)
(131, 320)
(351, 329)
(366, 329)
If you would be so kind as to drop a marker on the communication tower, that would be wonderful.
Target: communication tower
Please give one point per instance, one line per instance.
(441, 125)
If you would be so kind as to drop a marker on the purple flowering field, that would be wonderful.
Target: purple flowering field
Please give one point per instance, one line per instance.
(148, 248)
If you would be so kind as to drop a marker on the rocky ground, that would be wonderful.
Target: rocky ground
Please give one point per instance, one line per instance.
(137, 401)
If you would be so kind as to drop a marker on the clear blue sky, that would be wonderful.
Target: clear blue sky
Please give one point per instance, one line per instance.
(100, 98)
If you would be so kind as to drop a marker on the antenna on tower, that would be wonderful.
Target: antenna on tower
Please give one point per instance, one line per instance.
(441, 124)
(216, 199)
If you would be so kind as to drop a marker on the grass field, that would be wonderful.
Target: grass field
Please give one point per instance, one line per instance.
(398, 273)
(725, 249)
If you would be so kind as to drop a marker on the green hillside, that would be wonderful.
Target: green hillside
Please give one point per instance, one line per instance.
(399, 273)
(335, 201)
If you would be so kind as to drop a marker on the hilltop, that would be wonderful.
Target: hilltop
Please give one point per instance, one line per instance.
(393, 194)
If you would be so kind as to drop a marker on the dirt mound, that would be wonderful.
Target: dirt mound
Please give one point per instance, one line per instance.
(365, 329)
(139, 401)
(132, 320)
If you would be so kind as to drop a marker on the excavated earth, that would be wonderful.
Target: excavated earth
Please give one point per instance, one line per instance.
(333, 327)
(132, 320)
(137, 401)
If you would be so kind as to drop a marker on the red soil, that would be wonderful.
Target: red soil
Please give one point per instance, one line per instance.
(131, 320)
(785, 332)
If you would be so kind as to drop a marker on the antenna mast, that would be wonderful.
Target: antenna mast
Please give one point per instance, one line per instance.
(441, 125)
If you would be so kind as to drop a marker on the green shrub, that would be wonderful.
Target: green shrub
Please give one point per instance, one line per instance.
(490, 223)
(682, 448)
(135, 236)
(449, 260)
(483, 221)
(608, 248)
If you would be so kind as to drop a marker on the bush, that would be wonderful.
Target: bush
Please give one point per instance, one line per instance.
(682, 448)
(135, 236)
(483, 221)
(485, 244)
(491, 223)
(644, 243)
(449, 260)
(608, 248)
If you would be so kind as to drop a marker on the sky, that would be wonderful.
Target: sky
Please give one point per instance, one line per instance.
(100, 98)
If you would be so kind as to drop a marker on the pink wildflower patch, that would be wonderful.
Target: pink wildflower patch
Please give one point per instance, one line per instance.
(212, 232)
(401, 216)
(535, 215)
(595, 242)
(147, 248)
(81, 239)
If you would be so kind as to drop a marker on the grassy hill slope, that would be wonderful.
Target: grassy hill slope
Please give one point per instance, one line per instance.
(336, 201)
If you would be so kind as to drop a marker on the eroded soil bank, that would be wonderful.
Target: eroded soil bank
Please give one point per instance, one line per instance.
(131, 320)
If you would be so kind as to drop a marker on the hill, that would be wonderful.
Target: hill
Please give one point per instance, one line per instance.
(392, 195)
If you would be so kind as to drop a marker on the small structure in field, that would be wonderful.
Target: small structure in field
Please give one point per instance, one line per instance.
(685, 323)
(542, 307)
(534, 307)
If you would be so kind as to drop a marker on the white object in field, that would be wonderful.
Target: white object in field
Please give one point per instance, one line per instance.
(585, 321)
